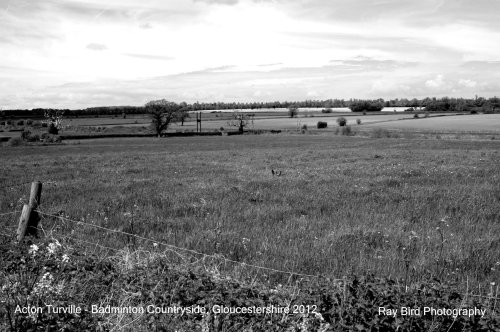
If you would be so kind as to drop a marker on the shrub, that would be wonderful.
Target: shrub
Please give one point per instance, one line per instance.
(15, 141)
(358, 121)
(326, 110)
(44, 125)
(381, 133)
(2, 123)
(366, 106)
(49, 138)
(53, 129)
(293, 111)
(20, 123)
(9, 122)
(415, 116)
(322, 124)
(342, 121)
(37, 124)
(34, 138)
(346, 131)
(29, 122)
(473, 112)
(25, 135)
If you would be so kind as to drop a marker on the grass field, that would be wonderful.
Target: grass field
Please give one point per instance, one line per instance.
(476, 122)
(405, 208)
(367, 222)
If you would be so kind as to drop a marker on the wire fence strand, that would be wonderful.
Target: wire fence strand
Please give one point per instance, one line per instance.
(216, 256)
(7, 213)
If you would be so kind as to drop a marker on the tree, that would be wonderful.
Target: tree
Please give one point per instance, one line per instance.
(366, 106)
(293, 111)
(183, 113)
(54, 120)
(341, 121)
(240, 120)
(162, 113)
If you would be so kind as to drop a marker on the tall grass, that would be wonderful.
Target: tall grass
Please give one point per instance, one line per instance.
(411, 209)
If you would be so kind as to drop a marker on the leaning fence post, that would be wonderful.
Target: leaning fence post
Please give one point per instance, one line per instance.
(28, 222)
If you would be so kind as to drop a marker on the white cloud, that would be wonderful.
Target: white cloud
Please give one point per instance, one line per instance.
(435, 83)
(467, 83)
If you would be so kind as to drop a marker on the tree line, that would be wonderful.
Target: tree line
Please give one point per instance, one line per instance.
(444, 104)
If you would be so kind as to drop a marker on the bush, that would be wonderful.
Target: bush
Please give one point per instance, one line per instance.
(346, 131)
(366, 106)
(9, 123)
(2, 123)
(473, 112)
(29, 122)
(326, 110)
(342, 121)
(293, 111)
(34, 138)
(15, 141)
(53, 129)
(25, 135)
(415, 116)
(358, 121)
(382, 133)
(322, 124)
(44, 125)
(20, 123)
(49, 138)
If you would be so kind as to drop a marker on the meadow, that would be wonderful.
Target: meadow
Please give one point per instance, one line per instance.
(411, 209)
(350, 224)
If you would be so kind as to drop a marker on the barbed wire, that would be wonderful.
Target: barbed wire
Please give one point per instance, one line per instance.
(19, 184)
(216, 256)
(15, 184)
(7, 213)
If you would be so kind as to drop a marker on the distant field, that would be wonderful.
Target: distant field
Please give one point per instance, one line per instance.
(476, 122)
(342, 205)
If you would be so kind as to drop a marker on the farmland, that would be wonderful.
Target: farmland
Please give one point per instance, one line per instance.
(423, 212)
(336, 193)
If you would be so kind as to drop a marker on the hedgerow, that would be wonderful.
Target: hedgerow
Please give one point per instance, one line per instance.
(47, 272)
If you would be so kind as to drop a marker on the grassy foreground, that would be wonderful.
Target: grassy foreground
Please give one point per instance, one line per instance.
(409, 210)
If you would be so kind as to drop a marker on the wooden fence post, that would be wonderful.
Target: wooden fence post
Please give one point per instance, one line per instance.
(28, 223)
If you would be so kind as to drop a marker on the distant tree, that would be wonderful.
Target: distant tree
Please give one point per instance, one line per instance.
(183, 113)
(54, 120)
(240, 120)
(366, 106)
(293, 111)
(162, 113)
(341, 121)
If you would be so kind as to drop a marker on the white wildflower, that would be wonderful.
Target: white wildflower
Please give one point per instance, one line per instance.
(33, 250)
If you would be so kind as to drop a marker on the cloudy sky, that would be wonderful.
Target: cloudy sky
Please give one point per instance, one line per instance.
(75, 53)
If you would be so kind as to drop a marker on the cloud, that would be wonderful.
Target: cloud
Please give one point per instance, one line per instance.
(148, 56)
(435, 83)
(467, 83)
(96, 47)
(223, 2)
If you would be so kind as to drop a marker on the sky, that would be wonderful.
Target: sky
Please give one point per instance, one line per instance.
(77, 54)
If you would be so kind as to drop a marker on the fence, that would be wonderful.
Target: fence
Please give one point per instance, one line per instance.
(31, 214)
